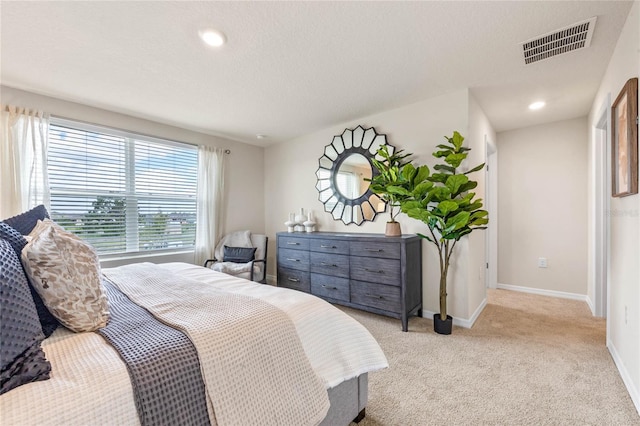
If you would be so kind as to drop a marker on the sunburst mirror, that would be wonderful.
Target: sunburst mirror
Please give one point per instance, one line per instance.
(343, 167)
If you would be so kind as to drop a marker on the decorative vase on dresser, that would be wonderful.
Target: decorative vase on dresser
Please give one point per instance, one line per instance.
(364, 271)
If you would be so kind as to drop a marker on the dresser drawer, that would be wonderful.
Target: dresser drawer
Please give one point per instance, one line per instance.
(375, 249)
(329, 264)
(329, 246)
(295, 243)
(291, 278)
(379, 296)
(331, 287)
(383, 271)
(293, 259)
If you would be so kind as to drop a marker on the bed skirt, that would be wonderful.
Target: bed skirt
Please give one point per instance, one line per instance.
(348, 401)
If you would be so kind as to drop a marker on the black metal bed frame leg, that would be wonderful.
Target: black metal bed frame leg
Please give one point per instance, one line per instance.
(360, 416)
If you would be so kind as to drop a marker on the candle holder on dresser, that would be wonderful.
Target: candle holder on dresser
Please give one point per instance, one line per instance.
(300, 219)
(309, 224)
(291, 223)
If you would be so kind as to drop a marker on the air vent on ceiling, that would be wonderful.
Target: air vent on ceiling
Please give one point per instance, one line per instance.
(573, 37)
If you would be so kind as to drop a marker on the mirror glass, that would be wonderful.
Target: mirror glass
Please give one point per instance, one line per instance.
(351, 176)
(343, 167)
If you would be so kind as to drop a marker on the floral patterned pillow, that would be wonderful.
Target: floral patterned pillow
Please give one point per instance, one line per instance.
(65, 271)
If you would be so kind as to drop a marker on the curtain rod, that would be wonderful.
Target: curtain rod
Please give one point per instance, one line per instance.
(7, 106)
(226, 151)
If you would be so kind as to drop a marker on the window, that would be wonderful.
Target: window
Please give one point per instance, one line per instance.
(123, 193)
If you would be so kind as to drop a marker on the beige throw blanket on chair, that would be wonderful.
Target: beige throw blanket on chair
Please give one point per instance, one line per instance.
(253, 364)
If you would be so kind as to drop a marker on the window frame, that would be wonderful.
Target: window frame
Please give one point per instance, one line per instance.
(131, 216)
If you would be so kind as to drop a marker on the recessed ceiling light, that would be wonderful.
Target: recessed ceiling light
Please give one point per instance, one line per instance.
(537, 105)
(262, 136)
(213, 38)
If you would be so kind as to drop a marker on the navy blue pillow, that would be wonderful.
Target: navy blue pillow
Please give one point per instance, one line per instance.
(48, 322)
(25, 222)
(239, 254)
(15, 238)
(22, 359)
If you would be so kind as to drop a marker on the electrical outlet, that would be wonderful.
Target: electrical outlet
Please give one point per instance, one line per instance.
(542, 262)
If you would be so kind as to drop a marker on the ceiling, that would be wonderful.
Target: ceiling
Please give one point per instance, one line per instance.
(293, 68)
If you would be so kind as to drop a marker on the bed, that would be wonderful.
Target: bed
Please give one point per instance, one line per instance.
(308, 366)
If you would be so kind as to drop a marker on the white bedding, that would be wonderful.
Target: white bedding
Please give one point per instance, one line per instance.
(89, 383)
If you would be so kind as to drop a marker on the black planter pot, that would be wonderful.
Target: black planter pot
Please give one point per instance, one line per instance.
(442, 327)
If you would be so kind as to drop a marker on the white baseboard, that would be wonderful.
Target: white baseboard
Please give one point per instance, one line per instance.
(590, 303)
(542, 292)
(461, 322)
(626, 378)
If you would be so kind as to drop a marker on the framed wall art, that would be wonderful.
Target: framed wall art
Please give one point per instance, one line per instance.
(624, 141)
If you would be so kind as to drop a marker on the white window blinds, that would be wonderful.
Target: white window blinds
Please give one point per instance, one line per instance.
(123, 193)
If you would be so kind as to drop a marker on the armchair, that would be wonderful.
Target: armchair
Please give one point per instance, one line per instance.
(235, 244)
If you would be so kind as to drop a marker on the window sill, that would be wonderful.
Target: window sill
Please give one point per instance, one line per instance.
(110, 261)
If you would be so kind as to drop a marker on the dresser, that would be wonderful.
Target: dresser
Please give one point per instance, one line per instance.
(365, 271)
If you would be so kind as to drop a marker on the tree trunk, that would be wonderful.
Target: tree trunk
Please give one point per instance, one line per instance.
(444, 268)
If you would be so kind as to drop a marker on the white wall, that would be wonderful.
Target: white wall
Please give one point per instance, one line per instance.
(543, 207)
(480, 129)
(290, 182)
(244, 168)
(623, 318)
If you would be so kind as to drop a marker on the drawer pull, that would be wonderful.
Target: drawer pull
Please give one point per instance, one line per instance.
(328, 264)
(293, 260)
(324, 246)
(374, 250)
(329, 287)
(294, 280)
(374, 296)
(380, 271)
(293, 244)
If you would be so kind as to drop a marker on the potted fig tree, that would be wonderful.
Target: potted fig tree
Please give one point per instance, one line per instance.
(443, 202)
(390, 185)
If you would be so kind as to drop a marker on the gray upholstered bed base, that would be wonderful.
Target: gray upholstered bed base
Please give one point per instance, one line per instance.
(348, 401)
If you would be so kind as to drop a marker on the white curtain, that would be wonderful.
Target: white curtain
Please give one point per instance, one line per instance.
(24, 182)
(210, 201)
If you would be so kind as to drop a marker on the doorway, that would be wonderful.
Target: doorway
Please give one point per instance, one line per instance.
(491, 205)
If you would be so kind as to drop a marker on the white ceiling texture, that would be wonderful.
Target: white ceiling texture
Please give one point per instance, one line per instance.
(292, 68)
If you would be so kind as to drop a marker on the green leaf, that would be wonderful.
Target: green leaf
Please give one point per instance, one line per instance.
(467, 186)
(466, 200)
(422, 188)
(460, 233)
(426, 237)
(446, 207)
(475, 169)
(455, 181)
(438, 177)
(479, 214)
(409, 172)
(420, 214)
(410, 204)
(475, 206)
(455, 159)
(457, 140)
(459, 220)
(422, 174)
(444, 153)
(398, 190)
(445, 168)
(440, 193)
(478, 222)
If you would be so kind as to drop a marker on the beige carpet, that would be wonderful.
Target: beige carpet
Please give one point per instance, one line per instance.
(528, 360)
